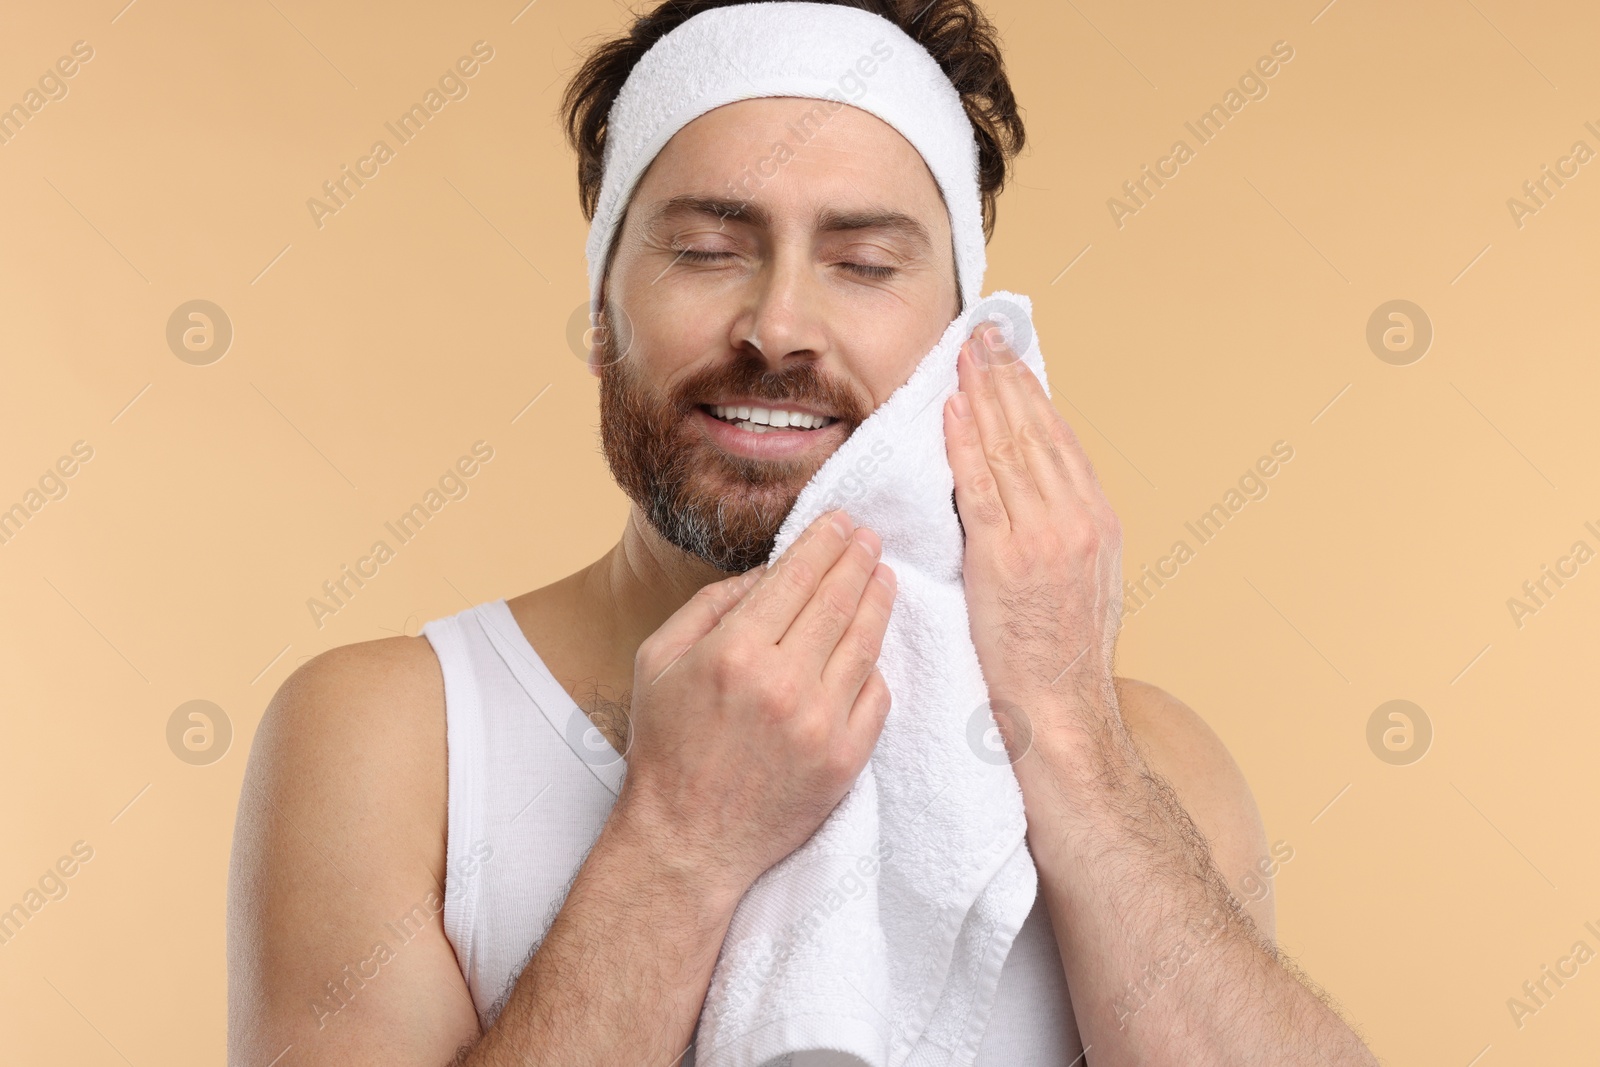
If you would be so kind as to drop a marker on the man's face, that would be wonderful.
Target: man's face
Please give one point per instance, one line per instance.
(775, 255)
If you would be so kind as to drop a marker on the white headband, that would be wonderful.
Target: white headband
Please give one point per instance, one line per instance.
(818, 51)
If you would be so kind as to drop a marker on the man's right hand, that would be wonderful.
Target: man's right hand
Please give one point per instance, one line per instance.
(757, 704)
(755, 708)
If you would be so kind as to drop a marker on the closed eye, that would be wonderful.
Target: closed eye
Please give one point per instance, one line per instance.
(866, 270)
(696, 255)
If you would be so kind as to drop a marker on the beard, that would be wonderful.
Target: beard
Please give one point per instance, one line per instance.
(723, 509)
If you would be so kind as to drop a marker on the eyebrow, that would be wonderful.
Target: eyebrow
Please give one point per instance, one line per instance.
(829, 220)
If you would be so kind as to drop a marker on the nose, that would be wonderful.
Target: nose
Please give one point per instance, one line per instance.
(783, 317)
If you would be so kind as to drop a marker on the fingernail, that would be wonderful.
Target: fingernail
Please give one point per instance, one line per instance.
(841, 522)
(961, 406)
(869, 540)
(980, 352)
(999, 352)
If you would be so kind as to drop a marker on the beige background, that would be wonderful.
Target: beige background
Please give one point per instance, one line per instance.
(1227, 314)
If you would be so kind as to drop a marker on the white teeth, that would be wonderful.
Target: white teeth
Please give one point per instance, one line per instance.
(762, 420)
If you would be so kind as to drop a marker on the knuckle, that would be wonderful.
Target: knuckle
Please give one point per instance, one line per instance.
(837, 603)
(657, 652)
(778, 699)
(1034, 435)
(797, 574)
(984, 484)
(984, 498)
(840, 763)
(646, 658)
(1004, 453)
(989, 510)
(1061, 435)
(822, 628)
(864, 648)
(733, 662)
(811, 735)
(1084, 540)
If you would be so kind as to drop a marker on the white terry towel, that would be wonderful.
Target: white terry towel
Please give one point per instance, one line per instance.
(880, 940)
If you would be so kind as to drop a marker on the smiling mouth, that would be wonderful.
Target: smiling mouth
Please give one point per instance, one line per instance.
(756, 419)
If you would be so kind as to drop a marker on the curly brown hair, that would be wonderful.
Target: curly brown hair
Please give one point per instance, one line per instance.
(956, 33)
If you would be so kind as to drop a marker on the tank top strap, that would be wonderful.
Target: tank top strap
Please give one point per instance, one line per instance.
(464, 742)
(555, 703)
(531, 784)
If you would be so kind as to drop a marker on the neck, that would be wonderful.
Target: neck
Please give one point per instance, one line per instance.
(635, 587)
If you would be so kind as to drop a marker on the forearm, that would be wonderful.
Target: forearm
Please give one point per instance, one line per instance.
(621, 975)
(1163, 963)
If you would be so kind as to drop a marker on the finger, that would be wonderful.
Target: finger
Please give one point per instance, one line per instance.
(855, 659)
(1069, 447)
(869, 714)
(1029, 415)
(740, 588)
(978, 499)
(816, 630)
(1009, 468)
(704, 612)
(787, 586)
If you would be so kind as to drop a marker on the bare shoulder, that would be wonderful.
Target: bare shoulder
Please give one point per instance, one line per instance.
(1187, 749)
(340, 840)
(353, 739)
(1179, 745)
(374, 704)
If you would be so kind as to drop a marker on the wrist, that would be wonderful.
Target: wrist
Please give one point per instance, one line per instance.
(1078, 748)
(1082, 782)
(650, 841)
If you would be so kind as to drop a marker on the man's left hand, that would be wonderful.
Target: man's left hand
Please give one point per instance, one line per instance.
(1043, 565)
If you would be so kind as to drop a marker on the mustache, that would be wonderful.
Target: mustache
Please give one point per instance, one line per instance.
(748, 376)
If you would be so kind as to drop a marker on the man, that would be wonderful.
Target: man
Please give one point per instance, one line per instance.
(387, 905)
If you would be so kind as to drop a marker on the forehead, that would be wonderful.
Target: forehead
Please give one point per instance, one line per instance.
(795, 156)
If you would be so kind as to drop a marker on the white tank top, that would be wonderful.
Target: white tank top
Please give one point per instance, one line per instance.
(531, 782)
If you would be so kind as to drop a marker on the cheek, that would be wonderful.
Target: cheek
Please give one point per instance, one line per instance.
(673, 342)
(664, 297)
(896, 346)
(669, 354)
